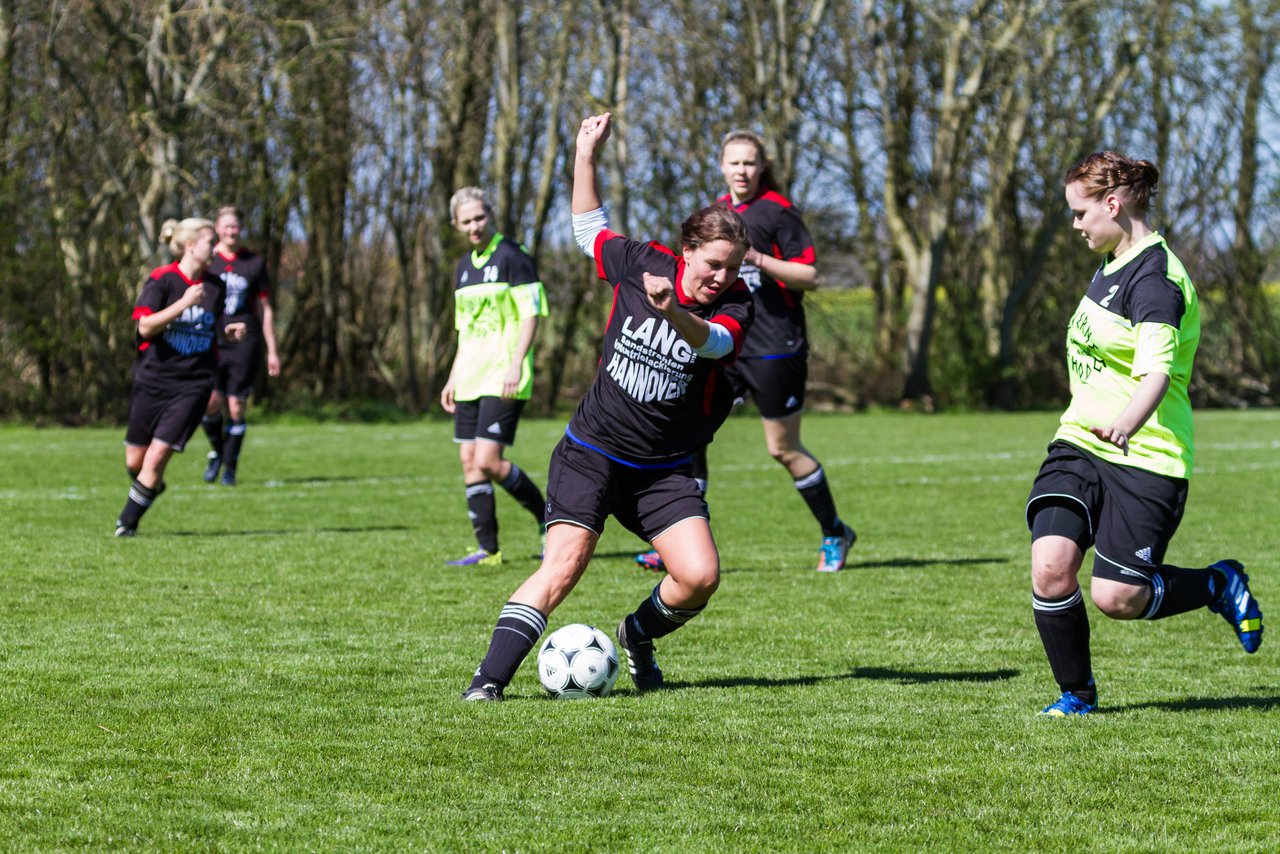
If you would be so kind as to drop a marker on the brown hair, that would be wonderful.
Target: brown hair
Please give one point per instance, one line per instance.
(714, 222)
(1105, 171)
(767, 181)
(229, 210)
(176, 234)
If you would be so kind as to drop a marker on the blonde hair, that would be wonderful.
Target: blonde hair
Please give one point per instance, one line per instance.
(176, 235)
(469, 194)
(229, 210)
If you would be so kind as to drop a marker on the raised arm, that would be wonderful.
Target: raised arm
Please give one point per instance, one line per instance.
(591, 135)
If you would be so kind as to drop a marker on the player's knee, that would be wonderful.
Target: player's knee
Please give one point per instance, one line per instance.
(1053, 576)
(699, 577)
(1120, 601)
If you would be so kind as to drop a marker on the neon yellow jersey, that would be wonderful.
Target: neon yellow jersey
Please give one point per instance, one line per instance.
(1139, 315)
(494, 292)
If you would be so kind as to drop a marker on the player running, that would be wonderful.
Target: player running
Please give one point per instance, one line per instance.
(498, 299)
(244, 278)
(1116, 474)
(773, 365)
(178, 312)
(658, 396)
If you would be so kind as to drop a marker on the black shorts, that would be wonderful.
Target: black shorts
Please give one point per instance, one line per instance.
(585, 487)
(775, 384)
(493, 419)
(238, 368)
(170, 415)
(1131, 513)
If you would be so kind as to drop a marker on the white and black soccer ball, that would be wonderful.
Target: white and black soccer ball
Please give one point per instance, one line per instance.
(577, 661)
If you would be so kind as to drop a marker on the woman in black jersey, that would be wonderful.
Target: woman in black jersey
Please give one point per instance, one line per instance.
(659, 395)
(178, 312)
(773, 365)
(248, 300)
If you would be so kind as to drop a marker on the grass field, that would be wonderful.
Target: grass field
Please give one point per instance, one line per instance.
(277, 666)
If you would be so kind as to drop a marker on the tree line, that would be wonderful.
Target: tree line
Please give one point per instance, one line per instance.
(925, 143)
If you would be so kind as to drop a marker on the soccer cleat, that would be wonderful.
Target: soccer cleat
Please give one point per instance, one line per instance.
(640, 661)
(229, 476)
(651, 560)
(124, 530)
(1237, 605)
(211, 468)
(486, 693)
(1066, 706)
(835, 550)
(479, 557)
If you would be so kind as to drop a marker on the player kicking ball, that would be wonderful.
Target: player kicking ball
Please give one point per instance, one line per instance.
(657, 398)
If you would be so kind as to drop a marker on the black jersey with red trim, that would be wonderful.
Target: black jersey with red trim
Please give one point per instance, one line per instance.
(244, 276)
(776, 229)
(654, 401)
(186, 349)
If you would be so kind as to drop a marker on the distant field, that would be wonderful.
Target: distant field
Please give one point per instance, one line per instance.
(277, 666)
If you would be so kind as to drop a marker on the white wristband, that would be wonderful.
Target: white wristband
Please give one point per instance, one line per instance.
(719, 343)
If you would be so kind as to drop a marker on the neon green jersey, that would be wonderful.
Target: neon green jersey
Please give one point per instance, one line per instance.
(1139, 315)
(494, 292)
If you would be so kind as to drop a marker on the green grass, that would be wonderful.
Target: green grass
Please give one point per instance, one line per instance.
(277, 666)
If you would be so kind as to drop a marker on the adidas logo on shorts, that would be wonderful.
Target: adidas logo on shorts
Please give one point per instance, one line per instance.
(495, 428)
(1143, 554)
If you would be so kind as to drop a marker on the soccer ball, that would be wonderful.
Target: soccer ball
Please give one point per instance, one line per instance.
(577, 661)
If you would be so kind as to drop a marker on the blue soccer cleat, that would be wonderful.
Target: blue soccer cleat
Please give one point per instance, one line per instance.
(835, 550)
(1066, 706)
(479, 557)
(651, 560)
(1237, 605)
(212, 467)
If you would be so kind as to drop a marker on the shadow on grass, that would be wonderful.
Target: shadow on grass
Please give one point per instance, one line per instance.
(912, 562)
(279, 532)
(905, 677)
(1197, 704)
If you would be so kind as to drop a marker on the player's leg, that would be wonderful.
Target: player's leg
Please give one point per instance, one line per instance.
(1131, 579)
(237, 409)
(477, 488)
(1061, 513)
(160, 423)
(213, 428)
(578, 492)
(668, 509)
(524, 618)
(782, 438)
(502, 417)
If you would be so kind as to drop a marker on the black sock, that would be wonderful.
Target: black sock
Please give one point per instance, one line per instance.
(212, 425)
(518, 629)
(700, 471)
(654, 618)
(140, 498)
(817, 494)
(484, 518)
(231, 448)
(1175, 590)
(525, 491)
(1064, 631)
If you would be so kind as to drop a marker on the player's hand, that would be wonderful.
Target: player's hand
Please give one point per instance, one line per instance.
(235, 331)
(193, 294)
(1114, 435)
(661, 293)
(593, 132)
(273, 365)
(446, 398)
(511, 382)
